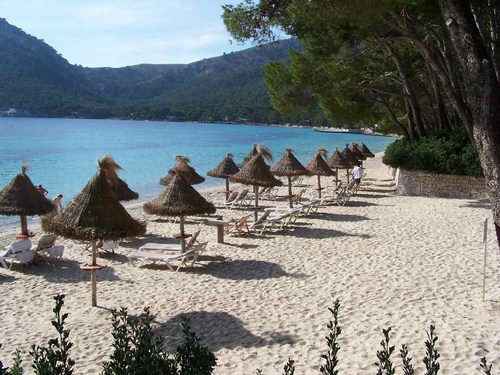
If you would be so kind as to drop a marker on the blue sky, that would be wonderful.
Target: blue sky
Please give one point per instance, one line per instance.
(117, 33)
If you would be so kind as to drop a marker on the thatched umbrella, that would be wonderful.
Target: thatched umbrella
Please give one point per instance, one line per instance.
(256, 172)
(338, 161)
(257, 149)
(119, 187)
(179, 199)
(357, 152)
(366, 151)
(184, 170)
(350, 157)
(318, 166)
(224, 169)
(94, 214)
(289, 166)
(21, 197)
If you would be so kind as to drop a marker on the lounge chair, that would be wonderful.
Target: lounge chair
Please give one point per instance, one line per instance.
(239, 226)
(268, 192)
(342, 196)
(227, 202)
(241, 200)
(308, 206)
(20, 250)
(298, 197)
(279, 217)
(171, 246)
(260, 223)
(184, 258)
(47, 245)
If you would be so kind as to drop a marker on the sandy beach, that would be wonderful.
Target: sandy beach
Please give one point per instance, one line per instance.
(403, 262)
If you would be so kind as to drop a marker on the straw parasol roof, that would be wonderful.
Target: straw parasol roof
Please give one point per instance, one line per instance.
(95, 213)
(225, 168)
(179, 199)
(349, 156)
(338, 161)
(255, 172)
(257, 149)
(184, 170)
(356, 151)
(21, 197)
(366, 151)
(318, 166)
(119, 187)
(289, 165)
(122, 191)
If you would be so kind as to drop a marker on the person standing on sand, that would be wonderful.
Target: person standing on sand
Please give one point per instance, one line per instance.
(357, 172)
(57, 202)
(42, 190)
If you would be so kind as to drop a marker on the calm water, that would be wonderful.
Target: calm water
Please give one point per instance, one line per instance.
(62, 153)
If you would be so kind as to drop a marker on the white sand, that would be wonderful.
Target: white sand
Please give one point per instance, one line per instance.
(405, 262)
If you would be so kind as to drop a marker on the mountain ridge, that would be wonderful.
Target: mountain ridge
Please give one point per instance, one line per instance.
(36, 79)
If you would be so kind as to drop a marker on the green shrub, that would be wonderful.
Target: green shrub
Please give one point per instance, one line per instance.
(448, 153)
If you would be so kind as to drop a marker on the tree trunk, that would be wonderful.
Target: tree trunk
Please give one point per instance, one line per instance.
(482, 91)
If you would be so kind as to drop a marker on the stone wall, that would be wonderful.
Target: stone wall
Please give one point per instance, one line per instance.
(439, 185)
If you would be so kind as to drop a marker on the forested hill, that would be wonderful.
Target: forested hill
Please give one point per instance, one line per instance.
(37, 80)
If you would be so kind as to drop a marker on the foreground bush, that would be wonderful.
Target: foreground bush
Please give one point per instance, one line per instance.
(439, 153)
(137, 351)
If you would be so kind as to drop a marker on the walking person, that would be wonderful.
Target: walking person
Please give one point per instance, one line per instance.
(57, 202)
(357, 172)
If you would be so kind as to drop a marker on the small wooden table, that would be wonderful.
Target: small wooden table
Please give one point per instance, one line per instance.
(220, 224)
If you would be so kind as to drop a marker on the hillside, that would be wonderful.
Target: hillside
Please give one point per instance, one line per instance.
(36, 79)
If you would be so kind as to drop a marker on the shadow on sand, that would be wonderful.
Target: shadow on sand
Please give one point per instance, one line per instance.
(478, 203)
(342, 217)
(365, 194)
(67, 271)
(241, 269)
(218, 330)
(322, 233)
(6, 279)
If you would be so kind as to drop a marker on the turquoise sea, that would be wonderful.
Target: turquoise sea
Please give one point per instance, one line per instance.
(62, 153)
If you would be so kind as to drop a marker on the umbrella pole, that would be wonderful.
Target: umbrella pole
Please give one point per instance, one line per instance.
(24, 225)
(183, 243)
(290, 198)
(227, 188)
(93, 274)
(256, 207)
(336, 177)
(347, 176)
(319, 186)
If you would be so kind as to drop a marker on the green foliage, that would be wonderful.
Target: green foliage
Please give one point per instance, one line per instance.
(191, 357)
(16, 368)
(438, 152)
(431, 354)
(136, 349)
(54, 359)
(486, 367)
(334, 331)
(384, 365)
(407, 366)
(289, 368)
